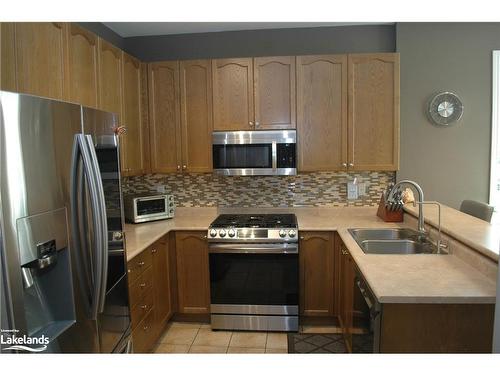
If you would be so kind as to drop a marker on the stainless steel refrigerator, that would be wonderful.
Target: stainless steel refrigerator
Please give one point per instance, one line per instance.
(63, 277)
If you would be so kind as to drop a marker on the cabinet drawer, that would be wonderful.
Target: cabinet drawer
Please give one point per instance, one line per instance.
(140, 310)
(139, 287)
(137, 265)
(142, 335)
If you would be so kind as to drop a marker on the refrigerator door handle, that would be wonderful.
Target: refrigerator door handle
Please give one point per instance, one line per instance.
(102, 245)
(82, 153)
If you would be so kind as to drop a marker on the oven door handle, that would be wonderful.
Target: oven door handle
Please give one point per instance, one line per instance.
(253, 249)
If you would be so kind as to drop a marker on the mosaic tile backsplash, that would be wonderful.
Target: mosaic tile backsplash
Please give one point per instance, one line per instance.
(305, 190)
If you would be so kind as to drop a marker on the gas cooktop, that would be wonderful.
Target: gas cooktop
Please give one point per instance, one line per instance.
(253, 227)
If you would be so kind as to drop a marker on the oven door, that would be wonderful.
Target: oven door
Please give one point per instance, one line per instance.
(254, 279)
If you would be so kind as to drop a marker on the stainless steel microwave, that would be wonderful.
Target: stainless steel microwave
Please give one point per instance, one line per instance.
(253, 153)
(142, 208)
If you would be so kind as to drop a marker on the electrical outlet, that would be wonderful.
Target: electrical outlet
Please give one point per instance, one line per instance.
(161, 189)
(352, 190)
(362, 189)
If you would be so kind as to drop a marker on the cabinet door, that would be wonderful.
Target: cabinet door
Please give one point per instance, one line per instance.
(322, 112)
(133, 139)
(192, 273)
(374, 111)
(347, 295)
(316, 259)
(196, 115)
(81, 66)
(233, 94)
(164, 117)
(7, 57)
(110, 78)
(274, 87)
(161, 283)
(40, 48)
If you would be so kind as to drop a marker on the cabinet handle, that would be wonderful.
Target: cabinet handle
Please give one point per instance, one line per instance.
(178, 167)
(153, 251)
(250, 123)
(302, 237)
(257, 124)
(140, 264)
(143, 285)
(351, 164)
(145, 328)
(144, 307)
(184, 167)
(205, 237)
(344, 165)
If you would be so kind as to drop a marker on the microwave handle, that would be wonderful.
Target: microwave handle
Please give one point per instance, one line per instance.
(274, 154)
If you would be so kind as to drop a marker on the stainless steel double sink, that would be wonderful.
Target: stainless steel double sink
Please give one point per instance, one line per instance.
(394, 241)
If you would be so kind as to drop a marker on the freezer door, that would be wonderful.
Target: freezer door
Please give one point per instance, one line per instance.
(114, 320)
(36, 139)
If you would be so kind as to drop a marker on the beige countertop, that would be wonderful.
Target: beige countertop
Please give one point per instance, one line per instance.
(474, 232)
(423, 278)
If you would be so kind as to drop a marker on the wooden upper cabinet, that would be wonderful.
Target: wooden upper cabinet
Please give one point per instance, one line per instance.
(274, 92)
(133, 140)
(164, 116)
(322, 112)
(110, 77)
(81, 66)
(233, 106)
(193, 280)
(40, 49)
(317, 273)
(373, 111)
(7, 57)
(196, 115)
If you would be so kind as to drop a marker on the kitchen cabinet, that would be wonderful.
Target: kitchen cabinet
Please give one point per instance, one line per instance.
(373, 111)
(164, 116)
(346, 294)
(39, 58)
(317, 280)
(7, 57)
(81, 66)
(233, 107)
(322, 112)
(133, 141)
(274, 92)
(193, 284)
(161, 282)
(110, 77)
(254, 94)
(196, 115)
(150, 294)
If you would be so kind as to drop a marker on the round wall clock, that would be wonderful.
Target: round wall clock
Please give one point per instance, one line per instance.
(445, 109)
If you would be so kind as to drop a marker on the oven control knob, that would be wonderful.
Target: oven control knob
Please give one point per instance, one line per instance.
(292, 233)
(231, 232)
(282, 233)
(213, 233)
(222, 233)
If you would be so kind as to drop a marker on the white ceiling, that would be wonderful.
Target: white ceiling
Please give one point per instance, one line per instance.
(129, 29)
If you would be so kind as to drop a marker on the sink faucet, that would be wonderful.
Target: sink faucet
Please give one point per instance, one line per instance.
(420, 201)
(439, 243)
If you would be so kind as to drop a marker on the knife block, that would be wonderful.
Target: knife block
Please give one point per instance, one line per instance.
(387, 215)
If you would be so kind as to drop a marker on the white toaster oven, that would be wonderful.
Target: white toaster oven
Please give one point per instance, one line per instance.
(143, 208)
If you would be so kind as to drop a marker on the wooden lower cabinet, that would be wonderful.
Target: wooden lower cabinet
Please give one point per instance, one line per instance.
(149, 292)
(193, 284)
(317, 276)
(346, 313)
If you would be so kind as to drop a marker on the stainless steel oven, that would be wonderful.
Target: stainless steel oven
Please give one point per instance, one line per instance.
(265, 152)
(254, 286)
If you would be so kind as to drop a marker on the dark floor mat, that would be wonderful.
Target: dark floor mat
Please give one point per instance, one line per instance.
(316, 343)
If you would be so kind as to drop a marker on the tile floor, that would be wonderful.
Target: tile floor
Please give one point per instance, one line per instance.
(199, 338)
